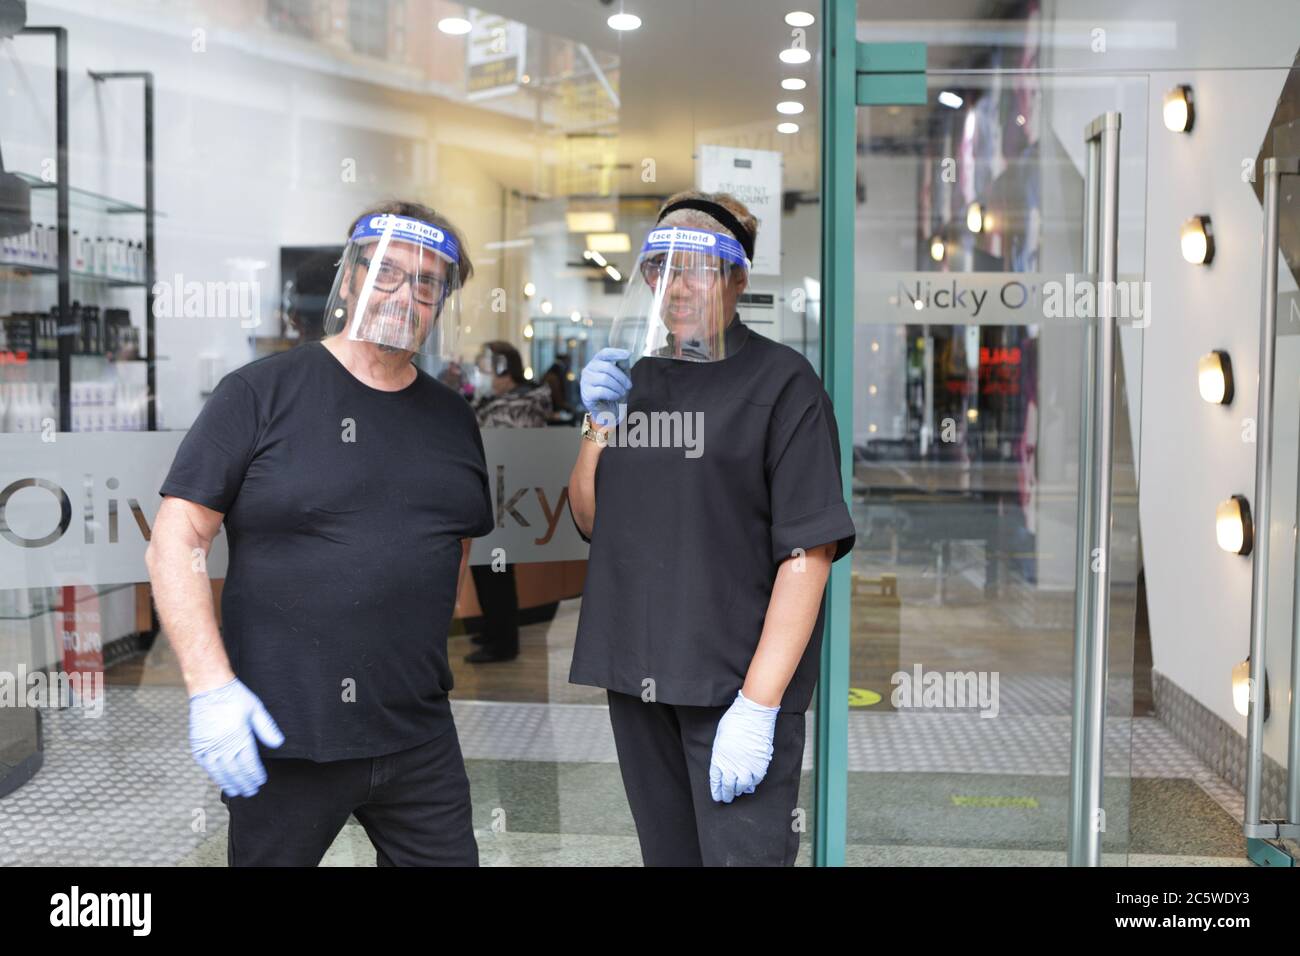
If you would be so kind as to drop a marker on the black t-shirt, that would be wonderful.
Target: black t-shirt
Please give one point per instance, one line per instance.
(687, 541)
(345, 506)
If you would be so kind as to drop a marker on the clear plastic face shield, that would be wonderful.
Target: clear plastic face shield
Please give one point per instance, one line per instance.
(486, 368)
(398, 287)
(681, 296)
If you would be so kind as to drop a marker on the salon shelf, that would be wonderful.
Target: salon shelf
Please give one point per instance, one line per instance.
(54, 608)
(77, 357)
(83, 198)
(30, 269)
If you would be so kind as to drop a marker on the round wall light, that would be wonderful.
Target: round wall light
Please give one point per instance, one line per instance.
(1241, 688)
(1178, 112)
(1214, 377)
(1232, 526)
(1196, 239)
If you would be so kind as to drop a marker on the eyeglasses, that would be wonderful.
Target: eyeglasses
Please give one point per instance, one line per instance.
(697, 273)
(426, 289)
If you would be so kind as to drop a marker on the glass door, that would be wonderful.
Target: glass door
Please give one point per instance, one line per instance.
(997, 349)
(1265, 694)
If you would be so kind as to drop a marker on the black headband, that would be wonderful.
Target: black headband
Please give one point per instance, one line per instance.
(720, 213)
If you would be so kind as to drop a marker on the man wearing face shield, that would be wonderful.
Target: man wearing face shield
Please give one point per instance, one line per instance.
(708, 484)
(349, 482)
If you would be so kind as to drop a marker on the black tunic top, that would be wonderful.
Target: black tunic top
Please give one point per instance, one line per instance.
(344, 506)
(687, 540)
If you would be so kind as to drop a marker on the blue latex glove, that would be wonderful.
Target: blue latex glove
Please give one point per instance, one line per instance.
(604, 385)
(742, 749)
(222, 724)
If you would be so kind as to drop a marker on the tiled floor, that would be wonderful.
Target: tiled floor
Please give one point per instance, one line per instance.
(122, 789)
(928, 786)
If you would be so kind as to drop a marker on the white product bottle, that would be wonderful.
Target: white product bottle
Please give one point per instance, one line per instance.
(138, 411)
(28, 409)
(11, 406)
(113, 421)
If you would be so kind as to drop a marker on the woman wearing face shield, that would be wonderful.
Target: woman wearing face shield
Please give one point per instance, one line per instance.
(708, 485)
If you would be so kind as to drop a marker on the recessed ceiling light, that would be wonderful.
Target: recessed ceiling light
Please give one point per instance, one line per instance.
(456, 26)
(609, 242)
(624, 21)
(950, 99)
(787, 127)
(789, 107)
(589, 220)
(795, 54)
(793, 83)
(798, 18)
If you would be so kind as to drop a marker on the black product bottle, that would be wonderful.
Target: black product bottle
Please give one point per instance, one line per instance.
(90, 331)
(47, 338)
(73, 328)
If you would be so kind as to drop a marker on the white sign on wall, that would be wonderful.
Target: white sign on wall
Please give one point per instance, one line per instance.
(494, 55)
(754, 177)
(80, 509)
(528, 475)
(996, 298)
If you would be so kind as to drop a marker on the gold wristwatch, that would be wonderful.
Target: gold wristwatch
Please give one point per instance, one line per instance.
(592, 433)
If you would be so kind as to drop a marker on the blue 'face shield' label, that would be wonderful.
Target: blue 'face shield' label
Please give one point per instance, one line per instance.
(677, 239)
(410, 230)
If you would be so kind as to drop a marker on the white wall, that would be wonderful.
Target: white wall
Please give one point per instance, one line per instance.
(1192, 454)
(248, 158)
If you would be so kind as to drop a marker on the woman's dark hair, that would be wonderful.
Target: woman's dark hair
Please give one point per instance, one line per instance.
(514, 363)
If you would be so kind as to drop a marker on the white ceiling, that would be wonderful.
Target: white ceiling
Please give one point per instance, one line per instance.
(696, 71)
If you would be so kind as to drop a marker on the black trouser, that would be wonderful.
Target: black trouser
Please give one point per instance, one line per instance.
(499, 599)
(664, 752)
(414, 805)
